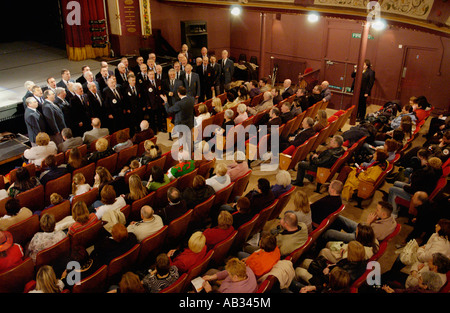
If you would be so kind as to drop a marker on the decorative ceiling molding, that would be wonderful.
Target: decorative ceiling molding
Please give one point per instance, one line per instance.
(424, 15)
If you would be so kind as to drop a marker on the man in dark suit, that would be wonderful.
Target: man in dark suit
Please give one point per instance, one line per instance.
(103, 79)
(183, 109)
(103, 64)
(28, 85)
(367, 81)
(286, 113)
(154, 105)
(192, 83)
(63, 104)
(137, 68)
(121, 74)
(38, 95)
(65, 78)
(82, 79)
(170, 87)
(301, 137)
(217, 74)
(54, 117)
(51, 85)
(160, 75)
(132, 104)
(287, 89)
(142, 77)
(95, 102)
(113, 102)
(206, 74)
(79, 107)
(227, 70)
(89, 79)
(179, 74)
(34, 120)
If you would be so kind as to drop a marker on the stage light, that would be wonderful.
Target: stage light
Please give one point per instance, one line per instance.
(313, 17)
(236, 10)
(379, 24)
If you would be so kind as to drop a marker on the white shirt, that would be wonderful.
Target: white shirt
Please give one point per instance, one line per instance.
(118, 204)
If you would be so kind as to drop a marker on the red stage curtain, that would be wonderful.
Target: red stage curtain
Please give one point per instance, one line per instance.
(78, 37)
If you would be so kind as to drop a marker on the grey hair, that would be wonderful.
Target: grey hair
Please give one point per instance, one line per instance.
(229, 113)
(242, 108)
(59, 90)
(432, 280)
(146, 211)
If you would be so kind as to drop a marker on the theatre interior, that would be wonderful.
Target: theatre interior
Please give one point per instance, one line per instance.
(347, 166)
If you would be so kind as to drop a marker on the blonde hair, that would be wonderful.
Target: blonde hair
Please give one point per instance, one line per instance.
(42, 139)
(77, 180)
(196, 242)
(137, 189)
(435, 162)
(46, 280)
(225, 219)
(236, 267)
(356, 251)
(151, 148)
(202, 109)
(221, 169)
(322, 117)
(56, 198)
(101, 144)
(301, 201)
(283, 178)
(80, 212)
(217, 104)
(47, 223)
(135, 164)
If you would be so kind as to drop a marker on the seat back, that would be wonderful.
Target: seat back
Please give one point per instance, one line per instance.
(240, 184)
(88, 197)
(135, 213)
(122, 263)
(125, 155)
(109, 162)
(2, 205)
(288, 128)
(256, 99)
(264, 215)
(259, 116)
(161, 194)
(177, 229)
(61, 185)
(218, 118)
(223, 195)
(176, 287)
(198, 269)
(58, 252)
(34, 198)
(283, 200)
(323, 135)
(22, 232)
(158, 162)
(15, 279)
(201, 212)
(316, 233)
(333, 216)
(170, 161)
(205, 167)
(83, 151)
(221, 249)
(95, 283)
(88, 236)
(140, 171)
(88, 171)
(113, 137)
(322, 178)
(243, 234)
(59, 211)
(30, 167)
(152, 246)
(60, 158)
(295, 255)
(298, 120)
(267, 285)
(186, 180)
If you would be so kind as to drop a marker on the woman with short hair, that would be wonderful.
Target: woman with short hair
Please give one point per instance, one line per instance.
(190, 256)
(44, 147)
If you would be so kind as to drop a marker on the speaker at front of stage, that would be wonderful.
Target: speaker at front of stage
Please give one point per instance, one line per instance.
(195, 35)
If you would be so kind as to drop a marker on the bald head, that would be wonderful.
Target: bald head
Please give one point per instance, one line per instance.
(144, 125)
(146, 212)
(96, 122)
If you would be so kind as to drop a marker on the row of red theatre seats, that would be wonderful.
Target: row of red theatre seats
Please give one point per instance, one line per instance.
(169, 236)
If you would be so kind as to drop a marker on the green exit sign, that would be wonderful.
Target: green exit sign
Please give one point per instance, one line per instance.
(358, 35)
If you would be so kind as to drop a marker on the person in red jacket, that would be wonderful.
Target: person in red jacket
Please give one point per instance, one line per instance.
(221, 232)
(192, 255)
(11, 254)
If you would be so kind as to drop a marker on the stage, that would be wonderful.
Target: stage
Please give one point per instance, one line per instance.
(22, 61)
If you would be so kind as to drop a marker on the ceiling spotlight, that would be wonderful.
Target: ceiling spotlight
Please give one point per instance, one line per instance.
(236, 10)
(379, 24)
(313, 17)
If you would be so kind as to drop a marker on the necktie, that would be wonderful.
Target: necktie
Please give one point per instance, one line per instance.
(116, 94)
(134, 91)
(178, 76)
(171, 82)
(189, 79)
(204, 69)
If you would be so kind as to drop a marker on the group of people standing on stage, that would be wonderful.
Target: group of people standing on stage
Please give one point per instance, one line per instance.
(124, 97)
